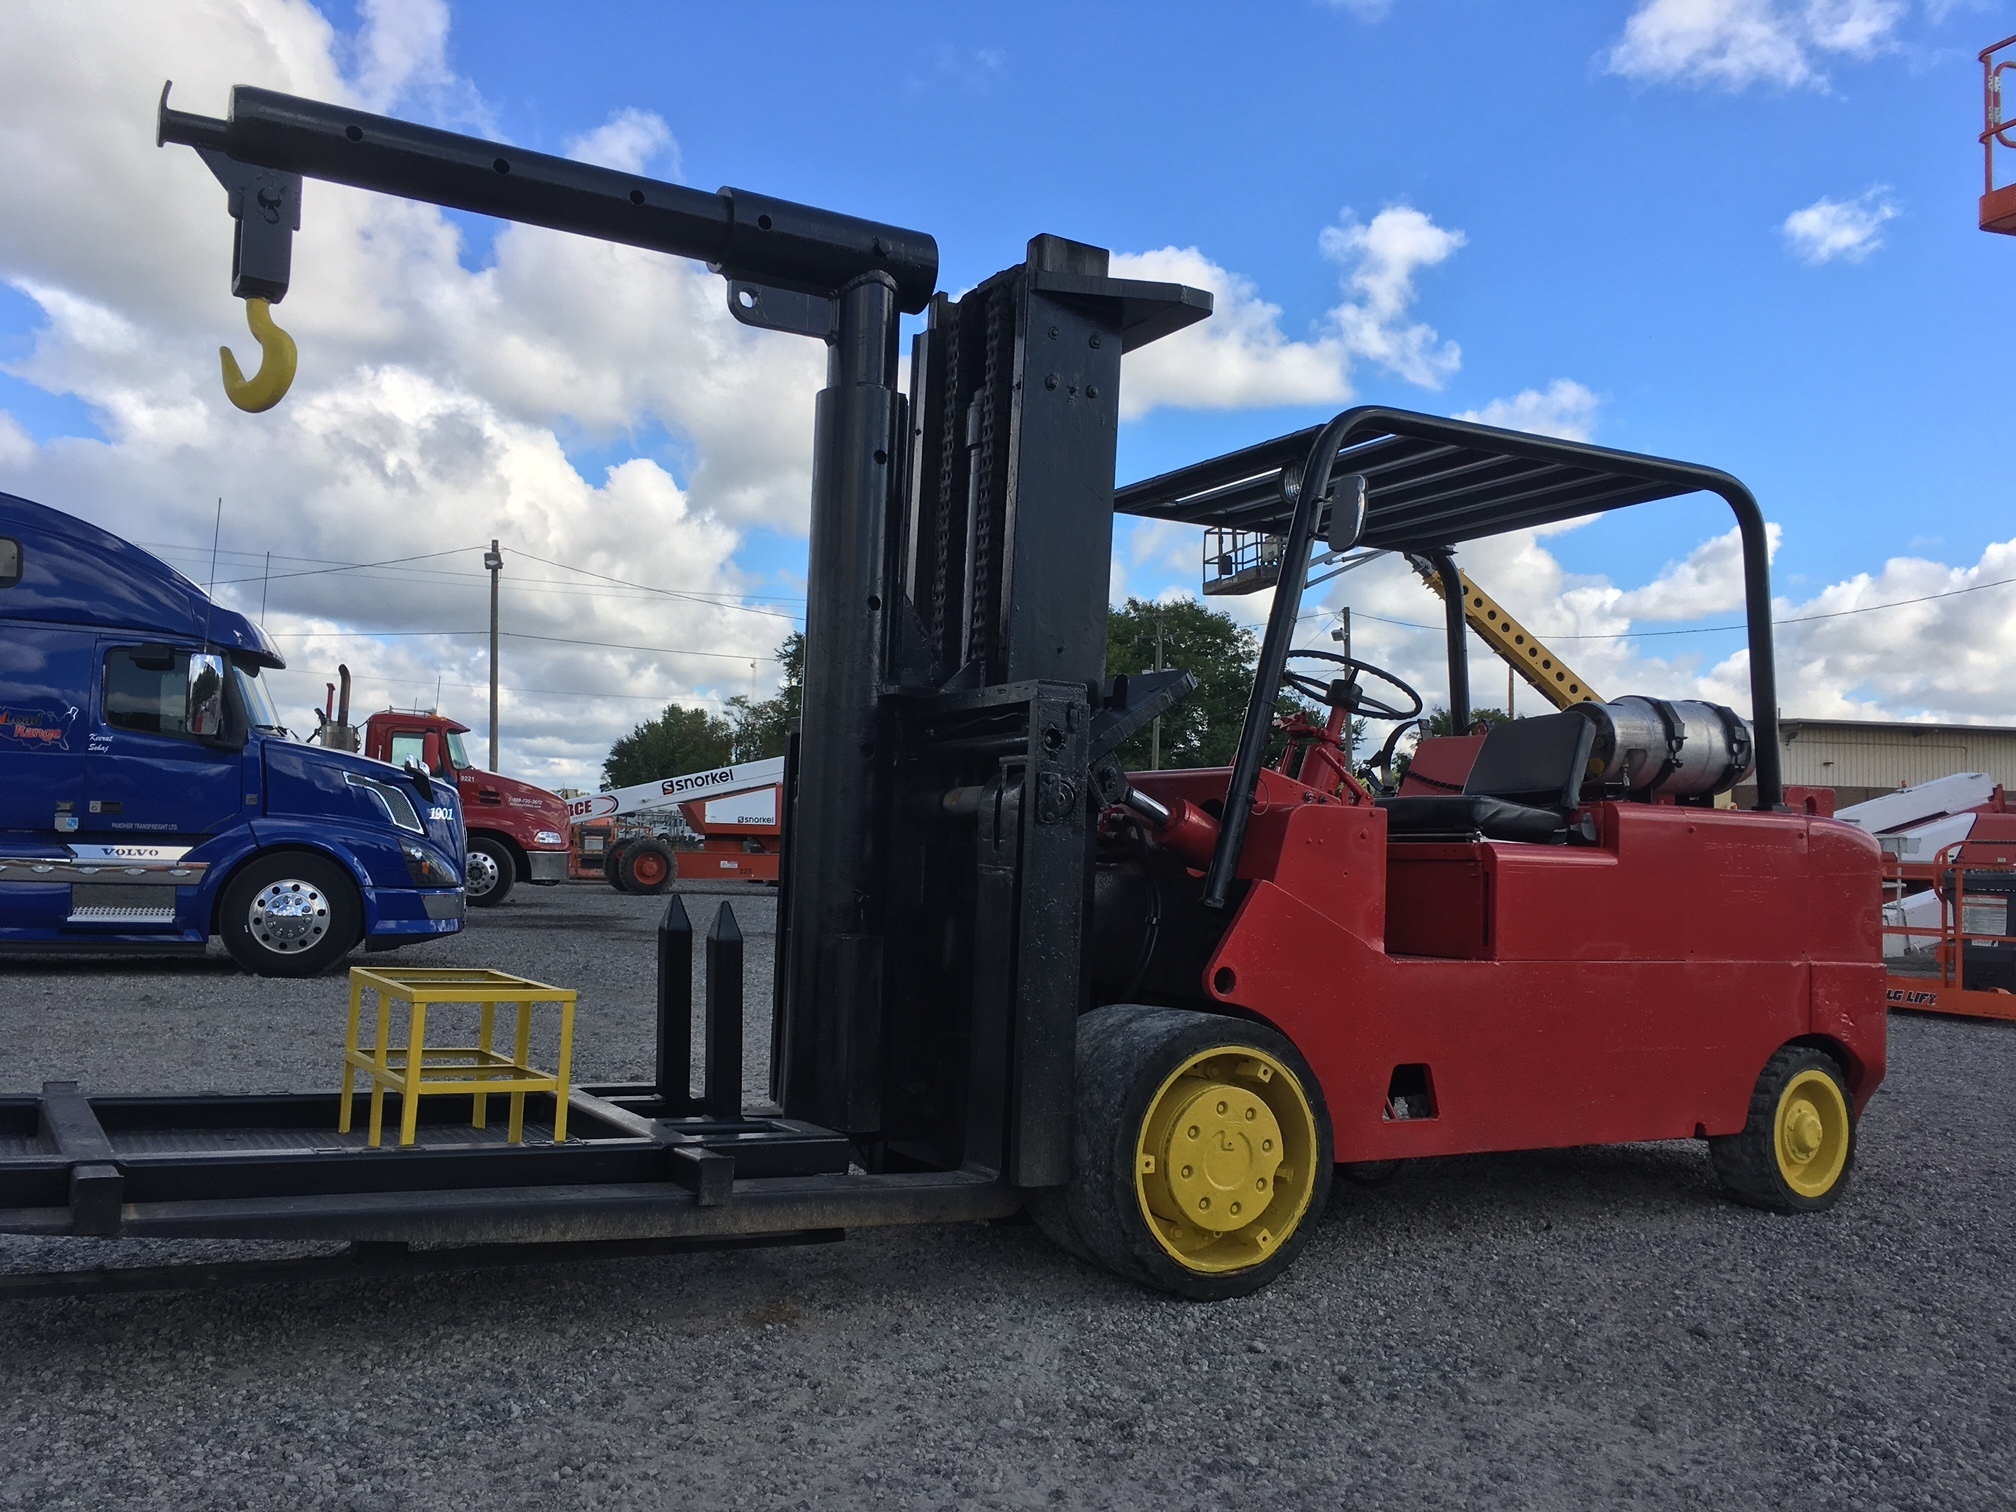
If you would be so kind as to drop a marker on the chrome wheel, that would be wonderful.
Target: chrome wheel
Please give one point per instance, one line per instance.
(289, 916)
(481, 873)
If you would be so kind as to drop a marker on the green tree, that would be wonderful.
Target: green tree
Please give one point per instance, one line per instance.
(678, 740)
(1438, 720)
(1439, 724)
(1203, 729)
(759, 729)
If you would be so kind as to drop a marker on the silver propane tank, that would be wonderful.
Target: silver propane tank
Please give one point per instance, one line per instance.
(1668, 746)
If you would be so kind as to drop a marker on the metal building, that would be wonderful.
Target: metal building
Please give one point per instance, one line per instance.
(1861, 759)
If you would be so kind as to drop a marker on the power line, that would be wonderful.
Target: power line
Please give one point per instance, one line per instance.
(330, 565)
(645, 587)
(429, 682)
(561, 640)
(1790, 619)
(355, 566)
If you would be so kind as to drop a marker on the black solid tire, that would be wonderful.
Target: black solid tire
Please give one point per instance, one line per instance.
(1125, 1053)
(341, 913)
(651, 853)
(1746, 1164)
(612, 864)
(499, 855)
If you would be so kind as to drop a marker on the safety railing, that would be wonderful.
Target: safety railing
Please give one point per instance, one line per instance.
(1240, 561)
(1970, 946)
(1998, 203)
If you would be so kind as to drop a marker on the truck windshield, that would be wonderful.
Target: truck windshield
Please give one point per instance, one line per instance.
(457, 756)
(257, 702)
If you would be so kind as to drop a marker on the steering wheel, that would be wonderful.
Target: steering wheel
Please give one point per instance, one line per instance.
(1344, 692)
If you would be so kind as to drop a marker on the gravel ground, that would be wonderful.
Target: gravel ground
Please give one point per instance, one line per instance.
(1576, 1328)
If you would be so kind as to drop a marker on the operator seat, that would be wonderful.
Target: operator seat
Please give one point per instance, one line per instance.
(1523, 786)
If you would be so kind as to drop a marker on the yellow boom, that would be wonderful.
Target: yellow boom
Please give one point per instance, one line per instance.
(1556, 681)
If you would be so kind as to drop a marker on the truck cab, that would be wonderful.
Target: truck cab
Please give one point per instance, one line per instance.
(517, 832)
(149, 795)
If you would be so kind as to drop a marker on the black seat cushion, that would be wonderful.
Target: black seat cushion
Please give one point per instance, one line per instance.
(1523, 785)
(1542, 761)
(1462, 815)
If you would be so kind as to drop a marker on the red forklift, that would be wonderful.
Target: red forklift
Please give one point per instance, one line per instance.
(1156, 1010)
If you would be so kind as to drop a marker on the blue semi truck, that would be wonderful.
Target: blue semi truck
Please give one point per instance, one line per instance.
(149, 795)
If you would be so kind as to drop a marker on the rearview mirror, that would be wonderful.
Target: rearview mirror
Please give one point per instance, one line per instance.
(206, 696)
(1348, 497)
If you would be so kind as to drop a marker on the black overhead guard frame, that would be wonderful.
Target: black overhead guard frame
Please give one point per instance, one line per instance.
(1433, 484)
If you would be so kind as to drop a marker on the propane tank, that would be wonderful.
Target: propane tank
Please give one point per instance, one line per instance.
(1678, 747)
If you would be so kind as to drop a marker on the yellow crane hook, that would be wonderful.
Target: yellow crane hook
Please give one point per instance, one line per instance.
(278, 356)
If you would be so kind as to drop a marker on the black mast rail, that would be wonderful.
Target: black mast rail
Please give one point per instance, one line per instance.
(745, 235)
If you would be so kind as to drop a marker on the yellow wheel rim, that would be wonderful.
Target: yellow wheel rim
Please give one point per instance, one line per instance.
(1811, 1133)
(1225, 1163)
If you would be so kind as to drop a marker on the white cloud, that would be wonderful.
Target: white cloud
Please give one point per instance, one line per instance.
(1364, 10)
(431, 399)
(1381, 260)
(1936, 659)
(16, 445)
(1736, 43)
(1945, 658)
(1860, 28)
(1241, 359)
(1709, 580)
(630, 140)
(1564, 408)
(1831, 228)
(1237, 359)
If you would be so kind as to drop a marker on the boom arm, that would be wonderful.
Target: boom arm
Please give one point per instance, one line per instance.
(1520, 648)
(715, 782)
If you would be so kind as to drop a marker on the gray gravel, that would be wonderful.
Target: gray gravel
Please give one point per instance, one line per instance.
(1579, 1328)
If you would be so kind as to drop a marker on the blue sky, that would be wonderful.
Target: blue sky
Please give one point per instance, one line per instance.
(1622, 233)
(1613, 192)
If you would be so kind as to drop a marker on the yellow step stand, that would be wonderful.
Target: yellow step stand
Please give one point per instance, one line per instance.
(416, 1069)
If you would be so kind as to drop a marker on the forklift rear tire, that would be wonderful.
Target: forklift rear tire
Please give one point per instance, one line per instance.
(1798, 1144)
(1201, 1152)
(612, 864)
(290, 914)
(489, 872)
(647, 867)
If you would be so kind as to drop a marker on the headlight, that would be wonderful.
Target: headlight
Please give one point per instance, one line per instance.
(548, 837)
(428, 871)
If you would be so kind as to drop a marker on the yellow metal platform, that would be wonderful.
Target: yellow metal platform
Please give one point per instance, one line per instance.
(416, 1069)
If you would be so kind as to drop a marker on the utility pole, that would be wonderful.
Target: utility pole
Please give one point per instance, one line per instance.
(494, 560)
(1155, 729)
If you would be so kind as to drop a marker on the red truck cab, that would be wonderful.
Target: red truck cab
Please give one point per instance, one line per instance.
(517, 832)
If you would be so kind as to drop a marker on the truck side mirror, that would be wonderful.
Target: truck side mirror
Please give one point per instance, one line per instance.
(206, 696)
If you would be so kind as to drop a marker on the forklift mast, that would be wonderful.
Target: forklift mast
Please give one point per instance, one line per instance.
(938, 865)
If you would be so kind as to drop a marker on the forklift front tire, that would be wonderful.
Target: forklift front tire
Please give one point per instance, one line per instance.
(1798, 1144)
(1201, 1152)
